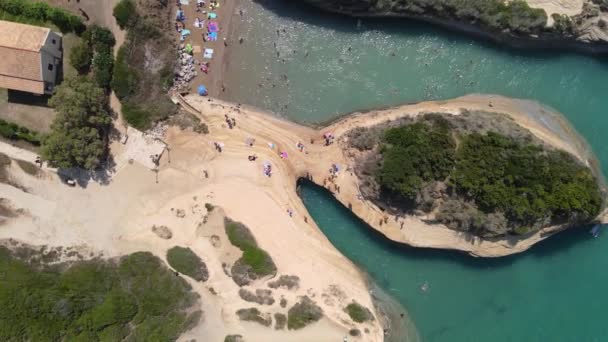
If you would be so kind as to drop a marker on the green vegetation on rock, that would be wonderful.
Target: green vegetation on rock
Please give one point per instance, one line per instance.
(80, 129)
(474, 179)
(358, 313)
(515, 16)
(185, 261)
(135, 298)
(40, 13)
(255, 261)
(303, 313)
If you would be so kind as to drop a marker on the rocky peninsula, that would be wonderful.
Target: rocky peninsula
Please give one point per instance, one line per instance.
(302, 152)
(575, 24)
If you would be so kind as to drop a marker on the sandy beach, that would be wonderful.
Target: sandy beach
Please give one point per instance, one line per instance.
(227, 20)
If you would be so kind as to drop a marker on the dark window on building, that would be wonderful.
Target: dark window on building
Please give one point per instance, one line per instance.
(51, 67)
(54, 41)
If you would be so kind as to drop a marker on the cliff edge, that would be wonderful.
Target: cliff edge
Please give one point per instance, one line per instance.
(578, 24)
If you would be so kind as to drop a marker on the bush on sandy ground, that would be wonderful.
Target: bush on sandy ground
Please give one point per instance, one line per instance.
(233, 338)
(261, 296)
(303, 313)
(358, 313)
(280, 320)
(254, 315)
(185, 261)
(255, 262)
(287, 281)
(135, 296)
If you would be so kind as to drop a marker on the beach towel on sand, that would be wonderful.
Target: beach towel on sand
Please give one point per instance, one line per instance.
(184, 2)
(208, 53)
(212, 15)
(212, 36)
(213, 26)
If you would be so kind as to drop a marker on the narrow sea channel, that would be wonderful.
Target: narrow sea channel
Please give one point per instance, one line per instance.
(312, 67)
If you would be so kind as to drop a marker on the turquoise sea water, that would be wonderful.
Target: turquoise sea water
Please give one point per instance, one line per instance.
(327, 66)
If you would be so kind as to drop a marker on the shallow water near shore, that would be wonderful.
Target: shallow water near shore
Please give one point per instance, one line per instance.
(327, 66)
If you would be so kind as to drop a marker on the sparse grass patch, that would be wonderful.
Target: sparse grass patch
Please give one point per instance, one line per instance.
(185, 261)
(358, 313)
(29, 168)
(303, 313)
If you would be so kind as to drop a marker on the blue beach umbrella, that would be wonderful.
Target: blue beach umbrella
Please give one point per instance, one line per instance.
(202, 90)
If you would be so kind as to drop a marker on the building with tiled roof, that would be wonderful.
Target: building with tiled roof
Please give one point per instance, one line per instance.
(30, 57)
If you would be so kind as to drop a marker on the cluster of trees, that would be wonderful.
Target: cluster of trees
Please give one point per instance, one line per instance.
(135, 297)
(40, 12)
(415, 154)
(526, 183)
(492, 184)
(141, 90)
(95, 53)
(79, 132)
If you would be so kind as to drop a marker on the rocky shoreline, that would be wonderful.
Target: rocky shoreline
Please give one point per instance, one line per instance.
(549, 41)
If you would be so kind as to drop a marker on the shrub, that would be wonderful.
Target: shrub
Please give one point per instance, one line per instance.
(103, 61)
(287, 281)
(81, 57)
(125, 13)
(255, 258)
(13, 131)
(209, 207)
(303, 313)
(280, 320)
(358, 313)
(124, 79)
(233, 338)
(185, 261)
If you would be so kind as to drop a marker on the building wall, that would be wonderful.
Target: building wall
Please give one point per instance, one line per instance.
(51, 56)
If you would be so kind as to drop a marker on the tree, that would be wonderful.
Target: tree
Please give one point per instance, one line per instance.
(125, 13)
(78, 133)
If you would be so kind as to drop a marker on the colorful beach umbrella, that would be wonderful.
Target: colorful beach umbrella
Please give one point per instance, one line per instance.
(202, 90)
